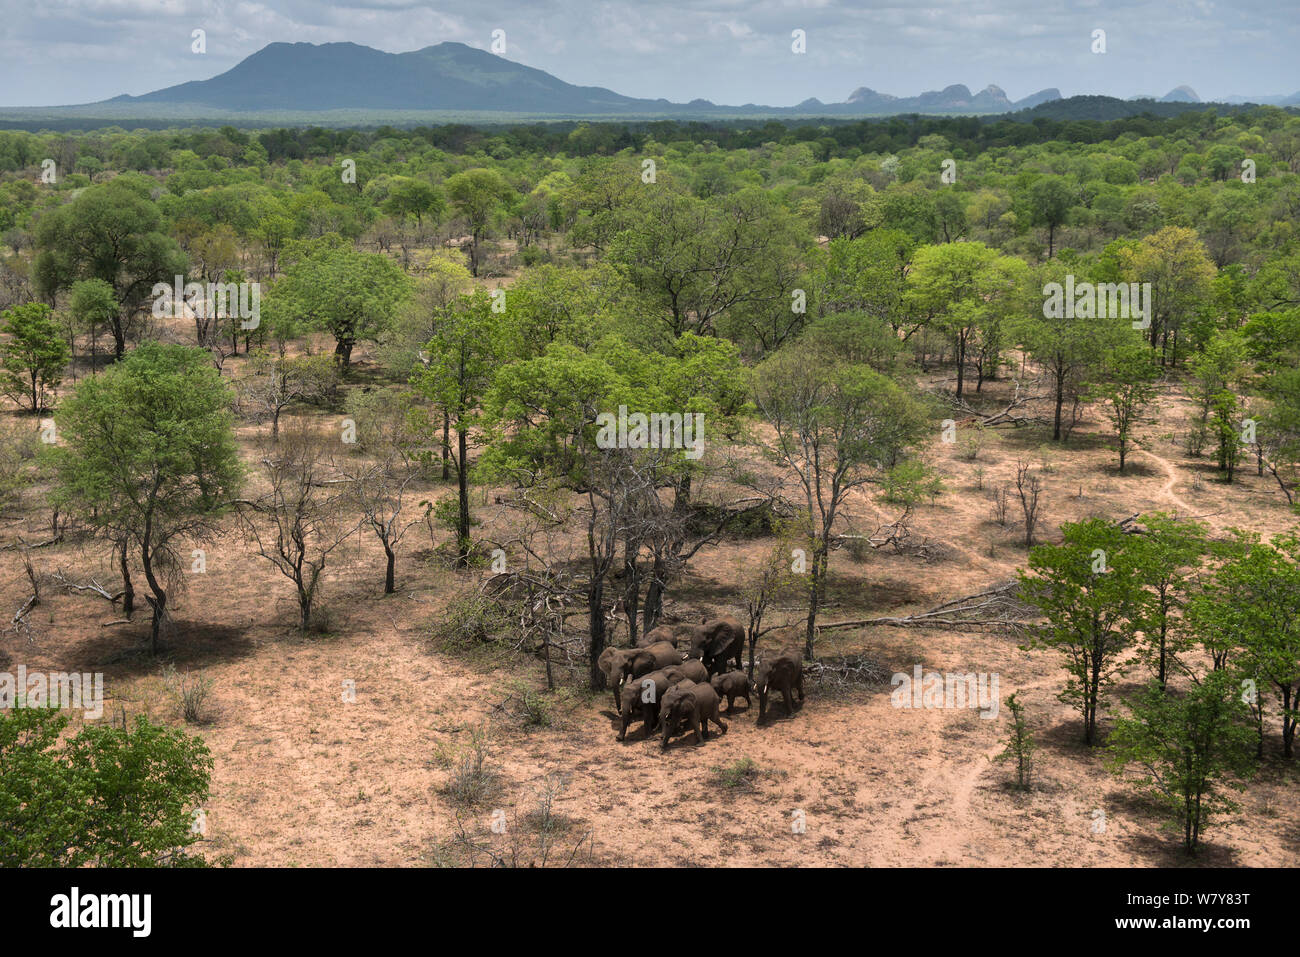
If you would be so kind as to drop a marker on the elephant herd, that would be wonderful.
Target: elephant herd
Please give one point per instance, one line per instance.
(672, 689)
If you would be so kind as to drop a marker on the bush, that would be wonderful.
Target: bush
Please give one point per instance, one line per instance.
(473, 783)
(910, 482)
(104, 797)
(1020, 744)
(473, 620)
(738, 774)
(193, 692)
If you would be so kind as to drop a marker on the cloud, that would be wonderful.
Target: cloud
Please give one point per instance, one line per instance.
(728, 51)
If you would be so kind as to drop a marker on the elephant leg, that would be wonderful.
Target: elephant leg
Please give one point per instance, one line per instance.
(789, 700)
(719, 722)
(695, 727)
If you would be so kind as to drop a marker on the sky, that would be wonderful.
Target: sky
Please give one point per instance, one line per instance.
(55, 52)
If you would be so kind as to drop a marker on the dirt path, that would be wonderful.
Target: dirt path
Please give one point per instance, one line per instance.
(1167, 490)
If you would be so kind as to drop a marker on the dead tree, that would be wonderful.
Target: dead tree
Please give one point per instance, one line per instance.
(377, 490)
(298, 523)
(1029, 487)
(996, 608)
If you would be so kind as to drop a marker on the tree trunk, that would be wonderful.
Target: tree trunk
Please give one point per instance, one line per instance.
(596, 620)
(446, 446)
(158, 600)
(128, 589)
(654, 596)
(462, 483)
(343, 352)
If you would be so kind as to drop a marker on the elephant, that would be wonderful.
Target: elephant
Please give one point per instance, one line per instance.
(642, 661)
(780, 673)
(612, 662)
(690, 702)
(656, 635)
(732, 685)
(634, 703)
(716, 641)
(688, 669)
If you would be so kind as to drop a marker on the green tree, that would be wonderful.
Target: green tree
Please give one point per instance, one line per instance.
(838, 424)
(1127, 385)
(413, 197)
(1050, 200)
(1166, 555)
(34, 357)
(93, 308)
(1090, 593)
(479, 196)
(1188, 749)
(968, 289)
(1252, 605)
(111, 232)
(1174, 261)
(148, 448)
(352, 295)
(462, 358)
(105, 797)
(1020, 744)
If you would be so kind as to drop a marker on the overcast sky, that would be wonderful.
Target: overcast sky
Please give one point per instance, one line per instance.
(729, 51)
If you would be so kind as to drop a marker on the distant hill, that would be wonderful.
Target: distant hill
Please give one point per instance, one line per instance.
(458, 79)
(347, 76)
(344, 84)
(1102, 108)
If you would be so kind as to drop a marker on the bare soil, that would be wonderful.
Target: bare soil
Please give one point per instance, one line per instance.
(303, 777)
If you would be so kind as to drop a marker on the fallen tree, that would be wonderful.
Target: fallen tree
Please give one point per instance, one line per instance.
(997, 608)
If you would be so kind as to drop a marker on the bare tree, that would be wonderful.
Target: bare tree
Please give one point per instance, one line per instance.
(274, 383)
(299, 522)
(1030, 488)
(377, 489)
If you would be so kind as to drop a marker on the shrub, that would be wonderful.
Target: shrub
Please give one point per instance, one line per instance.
(738, 774)
(106, 797)
(473, 782)
(1020, 744)
(193, 691)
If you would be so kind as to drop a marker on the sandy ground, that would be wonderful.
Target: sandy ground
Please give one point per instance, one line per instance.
(303, 777)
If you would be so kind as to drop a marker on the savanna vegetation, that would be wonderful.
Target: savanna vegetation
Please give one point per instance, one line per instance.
(393, 378)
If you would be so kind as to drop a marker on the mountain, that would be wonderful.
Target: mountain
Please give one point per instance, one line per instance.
(347, 76)
(1292, 100)
(346, 83)
(454, 77)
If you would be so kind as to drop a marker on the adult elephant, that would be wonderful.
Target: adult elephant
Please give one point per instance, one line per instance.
(717, 641)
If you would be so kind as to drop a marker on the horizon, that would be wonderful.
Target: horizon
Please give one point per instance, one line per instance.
(736, 56)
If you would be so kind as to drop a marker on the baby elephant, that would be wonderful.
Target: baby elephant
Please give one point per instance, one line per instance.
(731, 686)
(688, 670)
(641, 698)
(693, 703)
(781, 673)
